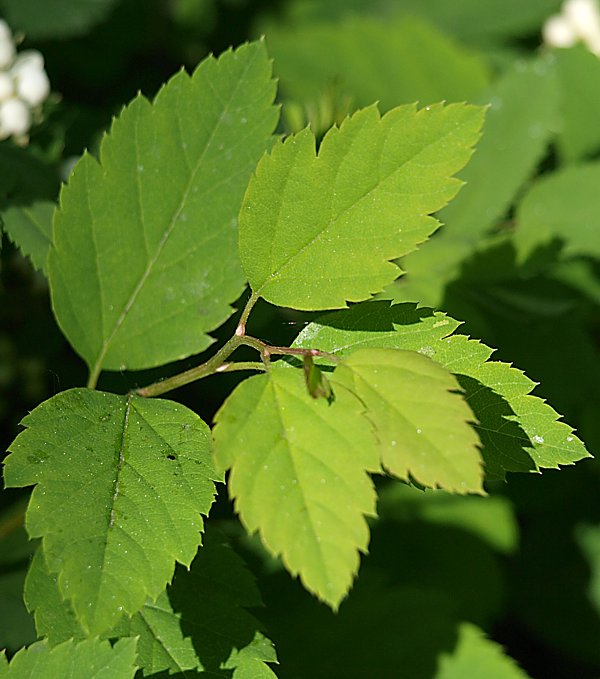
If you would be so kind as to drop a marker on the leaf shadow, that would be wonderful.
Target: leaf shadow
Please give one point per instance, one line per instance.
(503, 440)
(211, 600)
(377, 315)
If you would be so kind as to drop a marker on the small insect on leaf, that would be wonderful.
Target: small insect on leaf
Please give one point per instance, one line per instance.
(317, 384)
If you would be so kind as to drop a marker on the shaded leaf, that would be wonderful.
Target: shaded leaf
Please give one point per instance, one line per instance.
(518, 431)
(565, 206)
(477, 657)
(467, 19)
(54, 616)
(81, 660)
(160, 211)
(492, 518)
(200, 622)
(423, 426)
(298, 475)
(520, 121)
(578, 75)
(16, 625)
(24, 178)
(30, 228)
(54, 18)
(317, 231)
(399, 61)
(121, 483)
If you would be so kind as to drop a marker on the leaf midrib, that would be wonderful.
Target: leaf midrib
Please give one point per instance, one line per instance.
(97, 366)
(289, 261)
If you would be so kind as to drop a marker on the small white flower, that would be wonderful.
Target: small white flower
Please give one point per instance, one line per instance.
(583, 16)
(15, 118)
(579, 20)
(33, 86)
(24, 85)
(5, 32)
(27, 60)
(558, 32)
(7, 52)
(7, 87)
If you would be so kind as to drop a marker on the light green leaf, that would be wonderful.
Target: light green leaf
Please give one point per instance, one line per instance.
(201, 622)
(82, 660)
(121, 483)
(317, 231)
(54, 18)
(400, 61)
(30, 228)
(578, 74)
(519, 431)
(145, 261)
(520, 121)
(477, 657)
(298, 475)
(423, 426)
(565, 206)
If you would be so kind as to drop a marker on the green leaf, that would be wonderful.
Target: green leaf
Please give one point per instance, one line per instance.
(298, 475)
(518, 431)
(145, 261)
(24, 178)
(468, 19)
(565, 206)
(317, 231)
(30, 228)
(578, 75)
(400, 61)
(201, 622)
(423, 426)
(121, 483)
(477, 657)
(54, 616)
(173, 632)
(519, 123)
(54, 18)
(82, 660)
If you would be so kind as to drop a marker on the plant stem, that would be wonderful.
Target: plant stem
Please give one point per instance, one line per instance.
(217, 363)
(214, 364)
(241, 329)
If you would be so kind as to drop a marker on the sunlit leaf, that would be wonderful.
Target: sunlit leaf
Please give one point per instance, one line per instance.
(121, 483)
(317, 231)
(423, 426)
(518, 431)
(81, 660)
(144, 261)
(298, 475)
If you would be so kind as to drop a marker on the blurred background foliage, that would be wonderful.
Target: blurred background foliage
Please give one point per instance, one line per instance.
(517, 260)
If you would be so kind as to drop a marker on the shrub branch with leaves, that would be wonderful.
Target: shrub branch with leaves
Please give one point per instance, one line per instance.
(191, 200)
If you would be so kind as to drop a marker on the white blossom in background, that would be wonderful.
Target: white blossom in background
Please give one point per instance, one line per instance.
(578, 21)
(24, 85)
